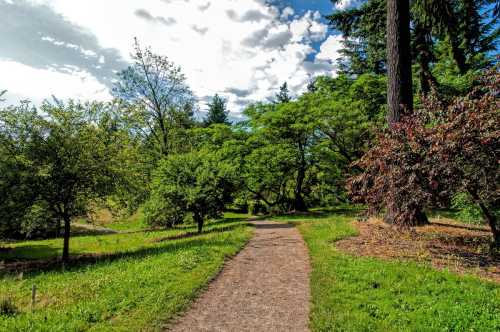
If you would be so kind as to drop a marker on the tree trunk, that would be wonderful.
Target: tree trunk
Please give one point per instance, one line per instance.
(67, 233)
(199, 222)
(399, 83)
(492, 222)
(299, 203)
(417, 217)
(423, 53)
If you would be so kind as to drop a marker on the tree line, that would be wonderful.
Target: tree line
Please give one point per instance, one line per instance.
(366, 135)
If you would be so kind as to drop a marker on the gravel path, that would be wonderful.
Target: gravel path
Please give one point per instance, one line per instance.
(264, 288)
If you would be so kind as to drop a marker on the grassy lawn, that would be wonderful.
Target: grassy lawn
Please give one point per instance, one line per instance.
(366, 294)
(102, 244)
(140, 289)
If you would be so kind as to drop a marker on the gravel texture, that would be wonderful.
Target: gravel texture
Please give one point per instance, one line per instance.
(264, 288)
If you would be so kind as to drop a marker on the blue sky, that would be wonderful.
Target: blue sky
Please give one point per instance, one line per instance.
(243, 50)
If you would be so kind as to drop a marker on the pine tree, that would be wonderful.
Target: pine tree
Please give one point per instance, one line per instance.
(217, 112)
(469, 26)
(284, 95)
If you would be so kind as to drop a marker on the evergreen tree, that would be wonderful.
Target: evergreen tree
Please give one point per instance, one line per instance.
(217, 112)
(284, 95)
(469, 27)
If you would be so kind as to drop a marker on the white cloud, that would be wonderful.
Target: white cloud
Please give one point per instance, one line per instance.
(24, 82)
(329, 49)
(287, 12)
(345, 4)
(222, 45)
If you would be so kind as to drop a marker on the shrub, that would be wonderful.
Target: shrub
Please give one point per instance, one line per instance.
(199, 183)
(468, 211)
(445, 148)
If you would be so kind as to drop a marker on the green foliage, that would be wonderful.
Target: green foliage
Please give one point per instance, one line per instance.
(469, 29)
(468, 211)
(198, 182)
(57, 160)
(283, 95)
(156, 99)
(217, 112)
(305, 147)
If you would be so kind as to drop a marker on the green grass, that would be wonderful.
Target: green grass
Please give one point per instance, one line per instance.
(99, 244)
(139, 289)
(367, 294)
(133, 223)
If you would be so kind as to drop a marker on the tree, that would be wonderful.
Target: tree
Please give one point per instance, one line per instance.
(289, 127)
(399, 78)
(284, 95)
(197, 182)
(464, 147)
(445, 148)
(217, 112)
(470, 28)
(155, 94)
(16, 174)
(66, 156)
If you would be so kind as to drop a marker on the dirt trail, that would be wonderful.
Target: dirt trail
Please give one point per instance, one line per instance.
(264, 288)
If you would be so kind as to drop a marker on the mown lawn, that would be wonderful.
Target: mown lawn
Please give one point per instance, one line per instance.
(366, 294)
(139, 289)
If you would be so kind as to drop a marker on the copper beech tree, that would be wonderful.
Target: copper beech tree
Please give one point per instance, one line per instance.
(444, 148)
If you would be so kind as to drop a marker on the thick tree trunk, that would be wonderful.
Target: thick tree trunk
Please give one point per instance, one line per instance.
(399, 86)
(67, 233)
(493, 223)
(399, 83)
(416, 218)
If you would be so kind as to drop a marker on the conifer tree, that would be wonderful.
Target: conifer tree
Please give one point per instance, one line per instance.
(217, 112)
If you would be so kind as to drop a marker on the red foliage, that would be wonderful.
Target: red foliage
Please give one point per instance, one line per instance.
(444, 148)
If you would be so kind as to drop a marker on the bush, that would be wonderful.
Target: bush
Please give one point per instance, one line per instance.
(444, 149)
(198, 183)
(468, 211)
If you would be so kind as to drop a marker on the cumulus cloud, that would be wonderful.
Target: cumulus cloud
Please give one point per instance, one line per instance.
(242, 49)
(346, 4)
(25, 82)
(330, 48)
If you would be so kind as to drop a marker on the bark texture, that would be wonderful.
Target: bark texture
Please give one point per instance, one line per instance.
(399, 89)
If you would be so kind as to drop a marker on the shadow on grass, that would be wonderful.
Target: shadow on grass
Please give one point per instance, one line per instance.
(196, 234)
(23, 252)
(80, 262)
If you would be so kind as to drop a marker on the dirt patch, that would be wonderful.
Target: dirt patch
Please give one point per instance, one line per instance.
(443, 243)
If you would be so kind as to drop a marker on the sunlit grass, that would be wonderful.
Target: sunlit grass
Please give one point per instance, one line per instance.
(140, 289)
(366, 294)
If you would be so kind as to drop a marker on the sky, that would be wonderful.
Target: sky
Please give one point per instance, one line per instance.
(242, 49)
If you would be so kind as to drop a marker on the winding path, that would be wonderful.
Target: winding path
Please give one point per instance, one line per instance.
(264, 288)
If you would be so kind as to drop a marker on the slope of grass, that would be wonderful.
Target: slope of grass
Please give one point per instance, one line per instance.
(365, 294)
(141, 289)
(99, 244)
